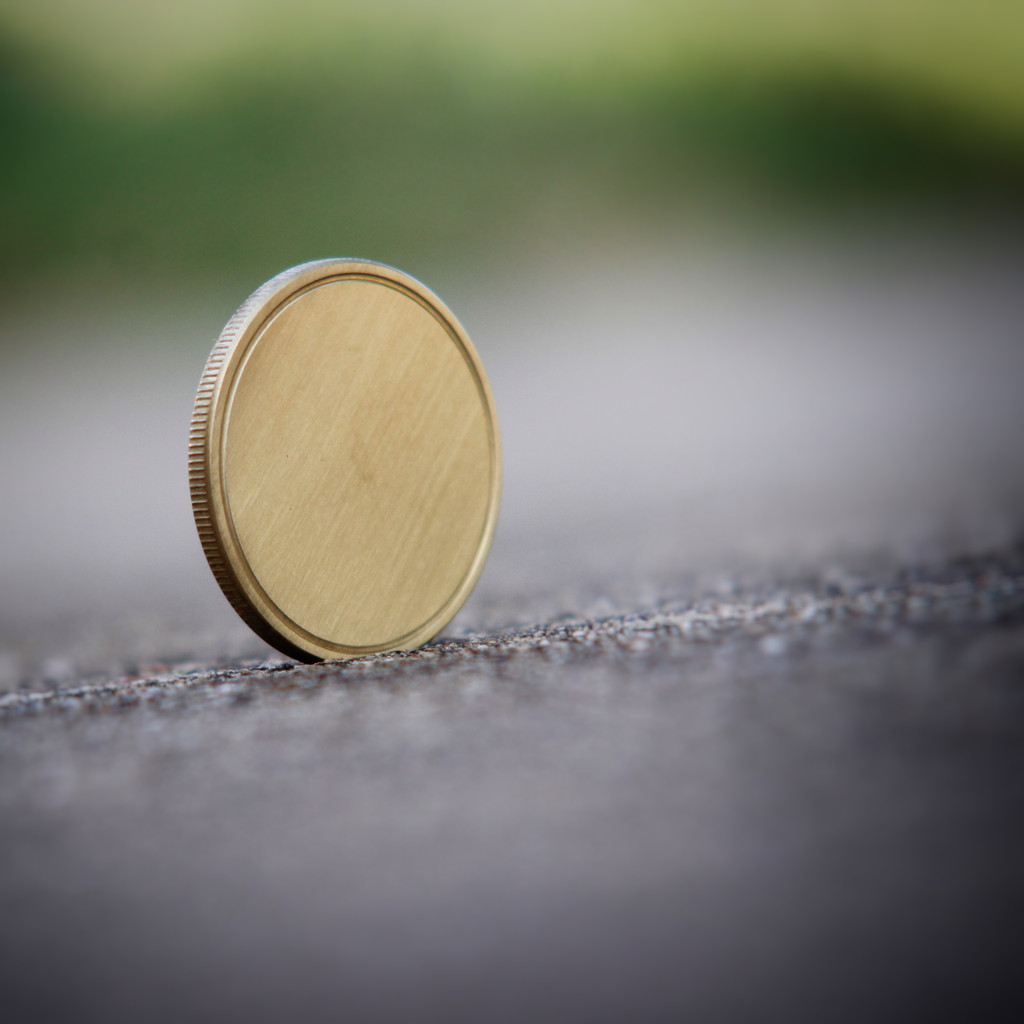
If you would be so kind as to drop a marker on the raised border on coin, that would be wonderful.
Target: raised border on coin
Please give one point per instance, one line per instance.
(210, 507)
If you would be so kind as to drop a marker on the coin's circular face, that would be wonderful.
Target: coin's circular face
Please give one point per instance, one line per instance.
(344, 461)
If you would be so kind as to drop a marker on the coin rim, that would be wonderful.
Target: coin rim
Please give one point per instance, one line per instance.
(210, 505)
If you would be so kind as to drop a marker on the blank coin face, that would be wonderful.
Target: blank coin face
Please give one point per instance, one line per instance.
(345, 462)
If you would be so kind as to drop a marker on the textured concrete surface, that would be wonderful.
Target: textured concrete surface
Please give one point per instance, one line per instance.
(732, 728)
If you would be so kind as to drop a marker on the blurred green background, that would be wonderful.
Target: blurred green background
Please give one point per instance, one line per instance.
(161, 145)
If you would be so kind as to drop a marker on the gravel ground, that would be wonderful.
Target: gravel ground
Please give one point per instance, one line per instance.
(732, 728)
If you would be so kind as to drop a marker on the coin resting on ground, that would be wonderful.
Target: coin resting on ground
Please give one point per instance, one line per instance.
(344, 461)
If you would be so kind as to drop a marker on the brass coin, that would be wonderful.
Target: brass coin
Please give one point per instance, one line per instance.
(344, 461)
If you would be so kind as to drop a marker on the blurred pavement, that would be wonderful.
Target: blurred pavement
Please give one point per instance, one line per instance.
(730, 729)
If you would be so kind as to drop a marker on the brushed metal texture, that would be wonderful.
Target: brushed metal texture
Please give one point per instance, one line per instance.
(344, 461)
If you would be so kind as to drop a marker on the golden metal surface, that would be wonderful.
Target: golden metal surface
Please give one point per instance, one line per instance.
(344, 461)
